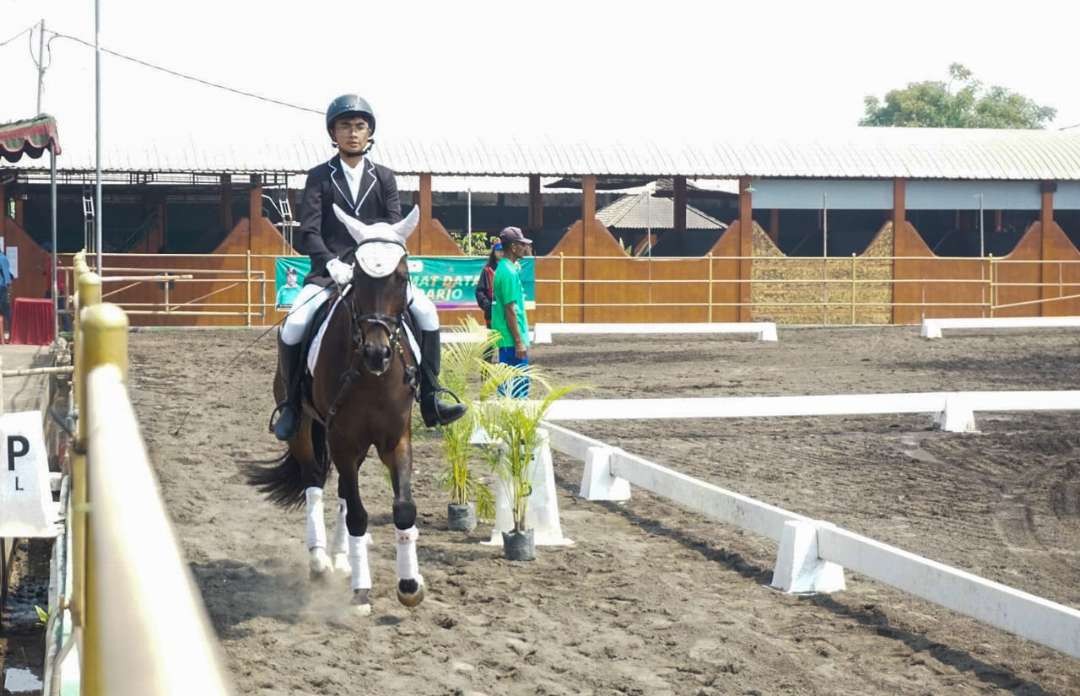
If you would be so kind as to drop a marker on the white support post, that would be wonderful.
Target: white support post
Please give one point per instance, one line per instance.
(597, 481)
(957, 416)
(799, 569)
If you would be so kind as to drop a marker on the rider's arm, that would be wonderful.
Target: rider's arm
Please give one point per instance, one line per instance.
(393, 201)
(308, 237)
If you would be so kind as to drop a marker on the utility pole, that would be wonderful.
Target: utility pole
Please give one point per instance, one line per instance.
(41, 64)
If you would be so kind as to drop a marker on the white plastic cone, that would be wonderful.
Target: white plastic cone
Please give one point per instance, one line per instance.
(542, 513)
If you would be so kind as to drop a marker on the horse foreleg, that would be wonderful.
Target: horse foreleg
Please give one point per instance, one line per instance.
(356, 522)
(410, 587)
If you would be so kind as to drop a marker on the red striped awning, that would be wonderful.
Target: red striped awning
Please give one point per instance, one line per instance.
(31, 137)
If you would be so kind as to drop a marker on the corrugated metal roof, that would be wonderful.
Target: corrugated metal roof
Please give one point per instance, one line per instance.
(646, 211)
(916, 153)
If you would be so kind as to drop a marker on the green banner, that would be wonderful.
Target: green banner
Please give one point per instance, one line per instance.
(450, 281)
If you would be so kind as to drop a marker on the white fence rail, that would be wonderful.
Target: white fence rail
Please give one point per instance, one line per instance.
(812, 553)
(146, 603)
(953, 411)
(762, 330)
(931, 328)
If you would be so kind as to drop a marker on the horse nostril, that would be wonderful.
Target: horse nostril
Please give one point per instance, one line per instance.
(386, 352)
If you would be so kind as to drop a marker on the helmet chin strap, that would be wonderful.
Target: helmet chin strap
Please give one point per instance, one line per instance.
(366, 149)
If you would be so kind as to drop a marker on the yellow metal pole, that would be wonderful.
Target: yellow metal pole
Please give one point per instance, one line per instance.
(562, 282)
(824, 291)
(89, 296)
(105, 342)
(853, 288)
(708, 259)
(993, 299)
(247, 313)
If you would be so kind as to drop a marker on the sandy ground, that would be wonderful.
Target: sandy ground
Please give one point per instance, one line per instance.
(651, 599)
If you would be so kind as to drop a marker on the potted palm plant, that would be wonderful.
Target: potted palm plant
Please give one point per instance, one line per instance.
(470, 497)
(512, 426)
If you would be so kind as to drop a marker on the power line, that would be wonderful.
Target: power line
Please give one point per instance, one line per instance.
(29, 28)
(185, 76)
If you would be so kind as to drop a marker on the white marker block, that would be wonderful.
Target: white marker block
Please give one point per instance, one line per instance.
(768, 332)
(957, 416)
(798, 567)
(597, 481)
(26, 505)
(542, 511)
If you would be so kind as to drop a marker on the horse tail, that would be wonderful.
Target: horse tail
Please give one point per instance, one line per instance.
(282, 480)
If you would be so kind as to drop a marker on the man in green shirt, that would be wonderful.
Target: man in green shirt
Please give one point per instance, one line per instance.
(508, 308)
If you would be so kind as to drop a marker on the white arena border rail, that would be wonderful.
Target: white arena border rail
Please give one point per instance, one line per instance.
(931, 328)
(813, 554)
(952, 411)
(542, 333)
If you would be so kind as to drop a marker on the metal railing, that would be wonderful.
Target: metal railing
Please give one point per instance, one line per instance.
(137, 623)
(840, 287)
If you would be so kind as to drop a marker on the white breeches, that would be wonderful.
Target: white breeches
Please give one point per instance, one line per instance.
(312, 296)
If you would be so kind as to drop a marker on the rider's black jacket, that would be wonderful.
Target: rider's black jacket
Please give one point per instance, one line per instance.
(321, 235)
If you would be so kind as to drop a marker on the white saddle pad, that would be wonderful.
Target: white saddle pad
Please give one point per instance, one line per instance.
(316, 343)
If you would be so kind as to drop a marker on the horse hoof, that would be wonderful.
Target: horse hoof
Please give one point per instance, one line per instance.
(361, 602)
(411, 592)
(319, 566)
(341, 563)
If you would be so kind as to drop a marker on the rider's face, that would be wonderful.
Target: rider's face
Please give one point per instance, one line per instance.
(351, 135)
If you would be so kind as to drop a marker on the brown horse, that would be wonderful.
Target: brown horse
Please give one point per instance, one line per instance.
(362, 391)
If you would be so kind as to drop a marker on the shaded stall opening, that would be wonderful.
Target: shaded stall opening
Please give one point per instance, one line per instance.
(802, 232)
(956, 232)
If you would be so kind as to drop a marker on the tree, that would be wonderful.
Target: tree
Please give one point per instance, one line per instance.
(962, 102)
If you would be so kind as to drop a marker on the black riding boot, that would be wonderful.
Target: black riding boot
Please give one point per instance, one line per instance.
(289, 418)
(435, 412)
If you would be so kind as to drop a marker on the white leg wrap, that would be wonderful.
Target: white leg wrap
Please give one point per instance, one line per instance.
(407, 566)
(339, 543)
(316, 523)
(358, 562)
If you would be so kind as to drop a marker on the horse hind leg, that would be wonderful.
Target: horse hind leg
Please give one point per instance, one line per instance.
(339, 545)
(319, 563)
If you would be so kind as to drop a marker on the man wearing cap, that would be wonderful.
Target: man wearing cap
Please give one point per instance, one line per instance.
(508, 307)
(367, 191)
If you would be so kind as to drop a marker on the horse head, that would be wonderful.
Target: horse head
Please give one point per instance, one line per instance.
(378, 298)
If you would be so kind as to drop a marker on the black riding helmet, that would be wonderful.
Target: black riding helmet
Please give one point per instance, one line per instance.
(349, 104)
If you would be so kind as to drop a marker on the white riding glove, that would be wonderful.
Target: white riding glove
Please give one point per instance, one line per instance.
(339, 271)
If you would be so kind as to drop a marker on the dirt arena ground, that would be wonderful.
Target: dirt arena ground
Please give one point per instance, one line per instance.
(651, 599)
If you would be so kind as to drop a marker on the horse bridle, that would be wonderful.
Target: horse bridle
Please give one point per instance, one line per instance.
(393, 325)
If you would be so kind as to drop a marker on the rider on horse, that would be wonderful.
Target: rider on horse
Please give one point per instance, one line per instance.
(368, 192)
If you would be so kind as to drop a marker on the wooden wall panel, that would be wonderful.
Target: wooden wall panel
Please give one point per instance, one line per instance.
(33, 261)
(913, 299)
(1063, 277)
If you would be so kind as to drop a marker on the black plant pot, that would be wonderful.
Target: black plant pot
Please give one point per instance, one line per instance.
(519, 546)
(461, 518)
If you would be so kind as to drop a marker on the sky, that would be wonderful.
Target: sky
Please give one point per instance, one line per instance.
(580, 71)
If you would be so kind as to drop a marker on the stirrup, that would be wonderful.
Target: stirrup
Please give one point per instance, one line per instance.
(275, 414)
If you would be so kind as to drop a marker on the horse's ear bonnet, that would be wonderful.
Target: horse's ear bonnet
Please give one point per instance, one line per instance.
(381, 245)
